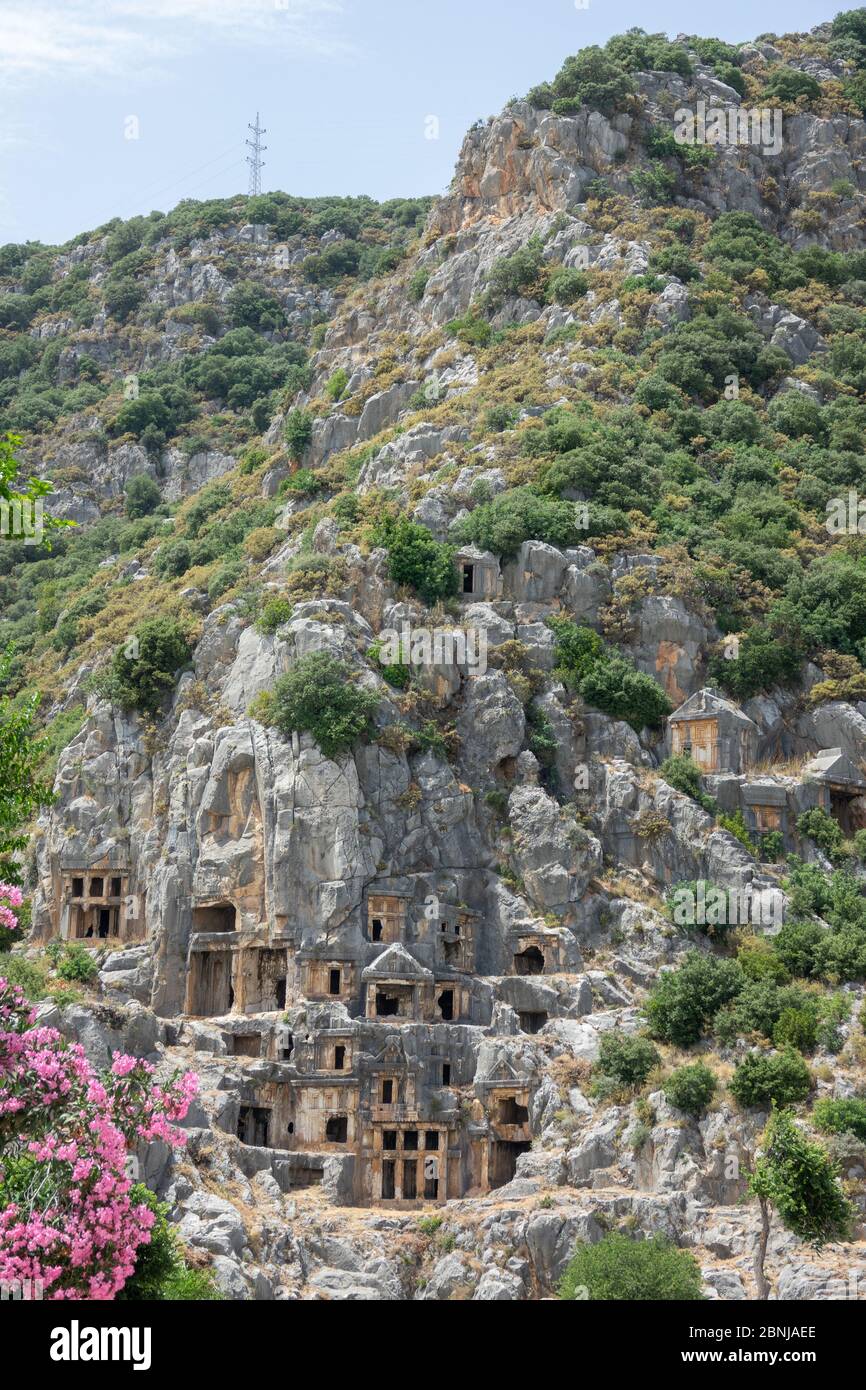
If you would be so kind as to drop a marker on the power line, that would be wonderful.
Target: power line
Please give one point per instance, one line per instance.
(255, 160)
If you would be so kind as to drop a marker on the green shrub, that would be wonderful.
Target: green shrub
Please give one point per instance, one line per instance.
(320, 696)
(76, 964)
(567, 287)
(418, 285)
(826, 832)
(520, 275)
(617, 688)
(161, 1273)
(760, 1005)
(797, 1028)
(772, 846)
(606, 680)
(250, 305)
(499, 418)
(684, 1001)
(787, 84)
(621, 1269)
(142, 496)
(143, 670)
(276, 612)
(683, 774)
(654, 185)
(759, 961)
(762, 1079)
(624, 1063)
(841, 1116)
(335, 388)
(472, 330)
(691, 1088)
(173, 559)
(417, 559)
(226, 577)
(298, 432)
(590, 78)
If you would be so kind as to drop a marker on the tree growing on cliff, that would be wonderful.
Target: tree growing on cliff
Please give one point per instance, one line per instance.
(796, 1178)
(320, 696)
(144, 669)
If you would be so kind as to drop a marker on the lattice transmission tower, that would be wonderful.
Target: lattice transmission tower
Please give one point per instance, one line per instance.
(255, 160)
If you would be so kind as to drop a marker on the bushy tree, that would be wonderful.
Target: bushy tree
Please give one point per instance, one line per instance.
(144, 669)
(142, 496)
(250, 305)
(796, 1178)
(321, 697)
(590, 78)
(516, 516)
(298, 432)
(417, 559)
(621, 1269)
(684, 1001)
(789, 84)
(780, 1078)
(691, 1088)
(624, 1062)
(844, 1116)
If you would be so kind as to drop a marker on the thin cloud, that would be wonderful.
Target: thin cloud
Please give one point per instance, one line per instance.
(117, 38)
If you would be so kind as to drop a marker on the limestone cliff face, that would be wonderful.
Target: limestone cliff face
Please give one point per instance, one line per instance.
(393, 970)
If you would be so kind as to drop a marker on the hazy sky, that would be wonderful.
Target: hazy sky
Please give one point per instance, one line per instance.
(345, 88)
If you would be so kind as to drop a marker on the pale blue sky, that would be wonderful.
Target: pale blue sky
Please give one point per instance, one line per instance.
(344, 87)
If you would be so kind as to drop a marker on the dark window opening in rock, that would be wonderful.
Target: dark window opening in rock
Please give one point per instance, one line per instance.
(78, 888)
(115, 888)
(290, 1127)
(389, 1139)
(410, 1181)
(532, 1022)
(529, 962)
(104, 923)
(388, 1181)
(334, 982)
(510, 1113)
(96, 887)
(446, 1004)
(446, 1073)
(410, 1140)
(469, 579)
(249, 1045)
(287, 1047)
(387, 1006)
(337, 1129)
(503, 1162)
(431, 1140)
(377, 929)
(221, 917)
(281, 994)
(339, 1058)
(387, 1092)
(431, 1189)
(254, 1126)
(231, 997)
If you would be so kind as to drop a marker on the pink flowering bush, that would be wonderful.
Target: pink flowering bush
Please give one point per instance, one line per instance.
(10, 897)
(66, 1216)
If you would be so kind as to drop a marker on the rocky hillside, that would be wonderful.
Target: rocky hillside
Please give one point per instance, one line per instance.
(595, 417)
